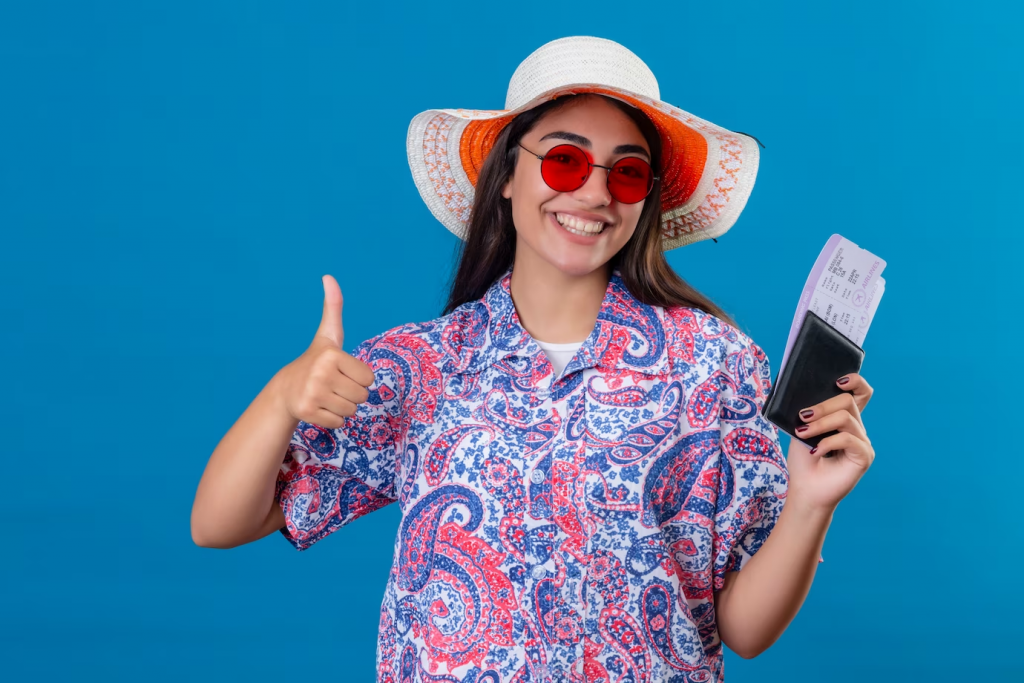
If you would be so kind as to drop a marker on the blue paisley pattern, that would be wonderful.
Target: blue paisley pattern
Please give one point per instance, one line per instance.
(570, 528)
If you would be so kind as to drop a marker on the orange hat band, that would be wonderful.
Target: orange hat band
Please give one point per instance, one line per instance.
(684, 150)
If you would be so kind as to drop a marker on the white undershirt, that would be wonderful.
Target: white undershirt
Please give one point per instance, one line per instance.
(559, 354)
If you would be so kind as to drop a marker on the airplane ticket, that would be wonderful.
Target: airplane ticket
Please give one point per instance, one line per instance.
(844, 288)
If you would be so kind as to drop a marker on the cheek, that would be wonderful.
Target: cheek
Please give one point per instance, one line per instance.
(631, 219)
(528, 198)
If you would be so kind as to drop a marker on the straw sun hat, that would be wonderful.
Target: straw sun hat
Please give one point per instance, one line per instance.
(708, 171)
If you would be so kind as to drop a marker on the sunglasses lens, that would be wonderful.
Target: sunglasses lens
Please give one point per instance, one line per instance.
(630, 180)
(564, 168)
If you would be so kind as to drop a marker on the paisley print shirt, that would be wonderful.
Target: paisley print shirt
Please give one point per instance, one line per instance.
(569, 528)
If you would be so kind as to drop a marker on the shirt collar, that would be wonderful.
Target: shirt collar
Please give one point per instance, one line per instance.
(627, 336)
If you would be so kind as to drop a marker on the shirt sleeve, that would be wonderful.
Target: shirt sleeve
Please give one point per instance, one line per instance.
(754, 475)
(331, 477)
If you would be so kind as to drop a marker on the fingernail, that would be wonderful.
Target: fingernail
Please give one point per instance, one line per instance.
(814, 450)
(806, 413)
(843, 380)
(802, 428)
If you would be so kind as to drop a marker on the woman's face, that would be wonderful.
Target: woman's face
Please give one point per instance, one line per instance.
(598, 127)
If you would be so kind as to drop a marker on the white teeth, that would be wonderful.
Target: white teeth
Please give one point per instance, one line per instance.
(578, 226)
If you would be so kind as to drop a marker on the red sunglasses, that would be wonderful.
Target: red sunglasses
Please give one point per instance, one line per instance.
(567, 167)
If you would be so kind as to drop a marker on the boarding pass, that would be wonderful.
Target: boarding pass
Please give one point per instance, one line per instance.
(844, 288)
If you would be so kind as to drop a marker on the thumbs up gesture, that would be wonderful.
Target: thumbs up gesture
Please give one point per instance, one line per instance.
(324, 385)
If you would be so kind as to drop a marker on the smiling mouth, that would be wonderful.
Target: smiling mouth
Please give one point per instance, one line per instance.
(578, 226)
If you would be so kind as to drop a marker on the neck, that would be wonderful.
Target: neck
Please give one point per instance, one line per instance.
(554, 306)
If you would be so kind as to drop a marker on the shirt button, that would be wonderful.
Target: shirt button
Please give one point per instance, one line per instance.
(538, 572)
(537, 476)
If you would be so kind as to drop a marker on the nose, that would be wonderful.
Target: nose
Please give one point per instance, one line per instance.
(595, 192)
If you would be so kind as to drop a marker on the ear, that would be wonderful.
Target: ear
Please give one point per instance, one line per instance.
(506, 189)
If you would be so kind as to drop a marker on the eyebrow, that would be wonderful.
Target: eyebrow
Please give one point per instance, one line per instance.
(580, 140)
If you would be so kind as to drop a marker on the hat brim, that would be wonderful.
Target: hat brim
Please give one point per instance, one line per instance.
(708, 172)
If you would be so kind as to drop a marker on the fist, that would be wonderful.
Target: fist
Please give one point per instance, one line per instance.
(324, 385)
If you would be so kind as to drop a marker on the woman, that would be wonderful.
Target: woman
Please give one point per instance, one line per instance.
(577, 508)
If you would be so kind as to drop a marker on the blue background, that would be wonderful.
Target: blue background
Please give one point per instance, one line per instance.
(175, 180)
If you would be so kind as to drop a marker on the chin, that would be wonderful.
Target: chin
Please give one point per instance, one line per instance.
(573, 260)
(575, 267)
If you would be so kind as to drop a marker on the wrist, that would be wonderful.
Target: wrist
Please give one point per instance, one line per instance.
(809, 510)
(275, 394)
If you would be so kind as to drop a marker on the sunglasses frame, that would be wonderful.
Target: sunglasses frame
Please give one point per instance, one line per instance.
(590, 169)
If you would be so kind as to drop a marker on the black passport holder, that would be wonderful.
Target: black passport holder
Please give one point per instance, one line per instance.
(820, 355)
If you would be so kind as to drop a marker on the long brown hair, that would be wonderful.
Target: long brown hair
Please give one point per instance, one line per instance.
(490, 245)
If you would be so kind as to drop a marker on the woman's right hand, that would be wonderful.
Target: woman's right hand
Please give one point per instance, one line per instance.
(324, 385)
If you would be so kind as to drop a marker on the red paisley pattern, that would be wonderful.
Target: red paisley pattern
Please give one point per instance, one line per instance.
(570, 530)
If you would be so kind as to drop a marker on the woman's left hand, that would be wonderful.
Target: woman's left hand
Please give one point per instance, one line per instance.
(822, 482)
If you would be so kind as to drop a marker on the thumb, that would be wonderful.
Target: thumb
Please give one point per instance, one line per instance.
(330, 322)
